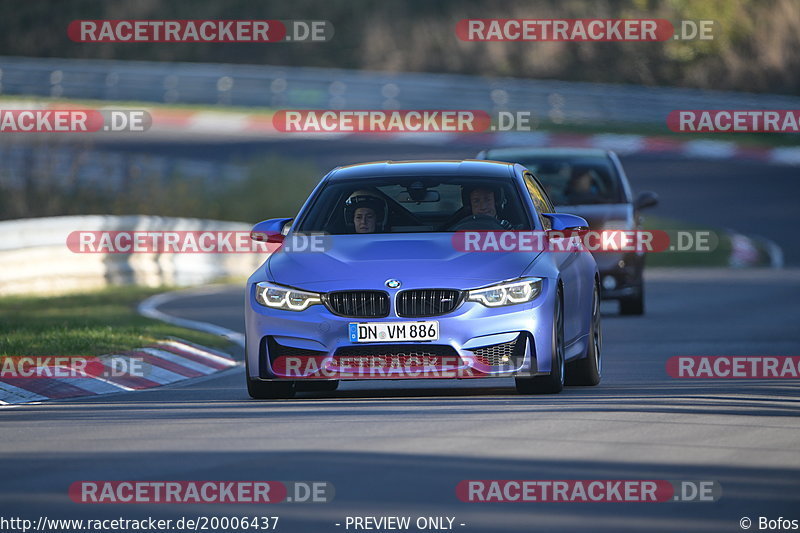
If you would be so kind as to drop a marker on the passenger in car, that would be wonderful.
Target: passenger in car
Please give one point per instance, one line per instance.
(366, 212)
(364, 220)
(581, 188)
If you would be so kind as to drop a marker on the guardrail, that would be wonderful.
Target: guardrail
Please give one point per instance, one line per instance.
(35, 257)
(304, 87)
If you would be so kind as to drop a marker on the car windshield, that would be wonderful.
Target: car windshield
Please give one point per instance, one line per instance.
(576, 180)
(415, 205)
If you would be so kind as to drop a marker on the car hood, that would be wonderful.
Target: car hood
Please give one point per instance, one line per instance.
(598, 214)
(417, 260)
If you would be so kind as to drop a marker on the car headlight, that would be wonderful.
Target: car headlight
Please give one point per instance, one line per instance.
(615, 235)
(507, 293)
(277, 297)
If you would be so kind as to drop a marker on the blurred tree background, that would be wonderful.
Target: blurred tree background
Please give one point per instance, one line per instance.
(269, 184)
(756, 45)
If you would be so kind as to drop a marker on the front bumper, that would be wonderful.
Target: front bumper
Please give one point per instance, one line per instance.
(621, 275)
(474, 341)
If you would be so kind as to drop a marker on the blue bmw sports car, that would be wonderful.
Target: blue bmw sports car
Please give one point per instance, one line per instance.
(419, 270)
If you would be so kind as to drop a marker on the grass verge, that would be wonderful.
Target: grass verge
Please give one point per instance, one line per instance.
(94, 323)
(718, 257)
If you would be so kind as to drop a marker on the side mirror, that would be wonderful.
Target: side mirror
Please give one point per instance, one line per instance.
(646, 199)
(563, 221)
(272, 230)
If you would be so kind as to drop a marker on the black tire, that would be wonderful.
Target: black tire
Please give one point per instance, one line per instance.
(633, 305)
(554, 382)
(317, 386)
(267, 390)
(587, 371)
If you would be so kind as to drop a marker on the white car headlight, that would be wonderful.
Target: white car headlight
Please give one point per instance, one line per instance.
(507, 293)
(277, 297)
(614, 235)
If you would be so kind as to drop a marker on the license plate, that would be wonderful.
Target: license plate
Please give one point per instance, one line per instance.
(394, 331)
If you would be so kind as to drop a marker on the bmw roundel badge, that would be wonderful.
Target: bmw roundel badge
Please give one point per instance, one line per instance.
(393, 283)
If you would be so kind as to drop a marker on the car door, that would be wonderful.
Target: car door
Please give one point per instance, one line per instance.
(571, 264)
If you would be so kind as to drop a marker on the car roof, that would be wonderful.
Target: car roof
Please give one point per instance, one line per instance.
(467, 167)
(565, 151)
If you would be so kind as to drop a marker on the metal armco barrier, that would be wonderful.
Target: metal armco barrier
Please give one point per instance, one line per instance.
(36, 258)
(322, 88)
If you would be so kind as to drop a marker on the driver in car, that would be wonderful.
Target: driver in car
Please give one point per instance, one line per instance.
(482, 202)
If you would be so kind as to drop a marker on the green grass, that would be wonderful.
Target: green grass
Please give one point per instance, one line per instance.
(94, 323)
(717, 257)
(271, 187)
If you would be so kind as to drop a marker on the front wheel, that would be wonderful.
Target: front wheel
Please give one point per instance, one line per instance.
(587, 371)
(553, 383)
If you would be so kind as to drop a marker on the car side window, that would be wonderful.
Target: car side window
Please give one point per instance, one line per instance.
(540, 200)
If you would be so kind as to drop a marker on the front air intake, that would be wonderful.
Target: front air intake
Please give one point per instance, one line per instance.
(358, 304)
(417, 303)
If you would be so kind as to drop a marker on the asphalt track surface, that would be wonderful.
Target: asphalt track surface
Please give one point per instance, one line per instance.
(400, 448)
